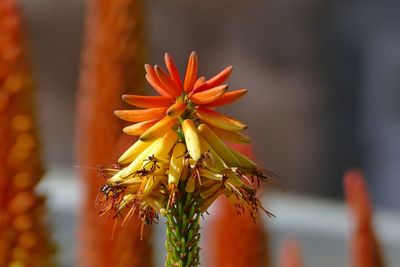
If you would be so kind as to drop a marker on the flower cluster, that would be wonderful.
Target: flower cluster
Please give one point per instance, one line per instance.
(181, 148)
(24, 235)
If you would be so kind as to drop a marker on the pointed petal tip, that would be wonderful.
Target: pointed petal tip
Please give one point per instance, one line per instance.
(125, 130)
(119, 114)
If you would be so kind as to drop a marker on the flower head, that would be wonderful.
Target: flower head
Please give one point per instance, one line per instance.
(181, 147)
(194, 98)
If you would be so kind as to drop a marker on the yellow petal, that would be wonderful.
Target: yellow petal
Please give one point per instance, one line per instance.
(176, 163)
(158, 129)
(139, 128)
(222, 150)
(230, 136)
(176, 109)
(192, 139)
(218, 120)
(135, 150)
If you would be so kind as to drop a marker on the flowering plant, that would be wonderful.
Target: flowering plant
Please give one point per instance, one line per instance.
(181, 164)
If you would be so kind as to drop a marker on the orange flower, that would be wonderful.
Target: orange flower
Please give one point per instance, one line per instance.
(366, 251)
(180, 165)
(112, 58)
(290, 254)
(181, 148)
(24, 234)
(194, 96)
(251, 241)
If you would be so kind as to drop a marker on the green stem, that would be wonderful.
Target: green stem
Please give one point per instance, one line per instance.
(183, 235)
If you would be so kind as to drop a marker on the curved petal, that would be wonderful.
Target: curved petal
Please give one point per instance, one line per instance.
(209, 96)
(176, 109)
(228, 98)
(230, 136)
(166, 82)
(173, 70)
(139, 128)
(148, 101)
(199, 81)
(139, 115)
(215, 81)
(191, 73)
(153, 80)
(158, 129)
(218, 120)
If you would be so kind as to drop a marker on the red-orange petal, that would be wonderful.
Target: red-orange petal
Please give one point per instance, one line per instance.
(191, 73)
(153, 80)
(173, 70)
(139, 128)
(215, 81)
(139, 115)
(199, 81)
(176, 109)
(218, 120)
(166, 82)
(228, 98)
(148, 101)
(210, 95)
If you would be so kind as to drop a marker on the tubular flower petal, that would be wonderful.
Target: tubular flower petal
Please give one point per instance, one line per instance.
(181, 150)
(140, 114)
(158, 129)
(230, 136)
(131, 153)
(167, 82)
(218, 145)
(220, 121)
(199, 81)
(173, 71)
(139, 128)
(192, 139)
(148, 101)
(228, 98)
(191, 73)
(153, 80)
(209, 96)
(176, 109)
(214, 81)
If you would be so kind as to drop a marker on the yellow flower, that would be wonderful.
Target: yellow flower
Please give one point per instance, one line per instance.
(181, 148)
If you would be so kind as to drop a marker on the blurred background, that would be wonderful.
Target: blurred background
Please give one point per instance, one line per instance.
(324, 95)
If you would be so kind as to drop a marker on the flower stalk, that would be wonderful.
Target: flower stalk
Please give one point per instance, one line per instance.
(182, 236)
